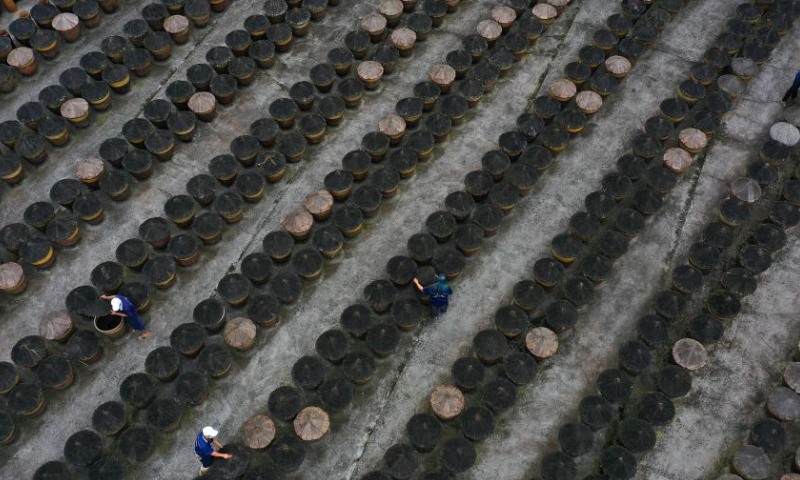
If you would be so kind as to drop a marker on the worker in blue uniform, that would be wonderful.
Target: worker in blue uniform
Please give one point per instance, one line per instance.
(204, 448)
(439, 292)
(122, 307)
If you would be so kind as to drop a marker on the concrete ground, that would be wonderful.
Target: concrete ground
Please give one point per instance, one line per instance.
(740, 369)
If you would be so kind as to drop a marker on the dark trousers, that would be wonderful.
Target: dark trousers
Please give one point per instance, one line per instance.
(437, 310)
(792, 92)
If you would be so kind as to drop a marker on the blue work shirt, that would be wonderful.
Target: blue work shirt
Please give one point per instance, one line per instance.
(203, 448)
(439, 293)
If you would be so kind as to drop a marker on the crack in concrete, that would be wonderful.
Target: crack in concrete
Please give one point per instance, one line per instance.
(687, 205)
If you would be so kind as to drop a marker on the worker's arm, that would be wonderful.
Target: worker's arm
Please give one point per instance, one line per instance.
(226, 456)
(119, 314)
(106, 297)
(419, 286)
(217, 444)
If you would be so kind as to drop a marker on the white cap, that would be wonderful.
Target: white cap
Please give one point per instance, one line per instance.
(210, 432)
(116, 304)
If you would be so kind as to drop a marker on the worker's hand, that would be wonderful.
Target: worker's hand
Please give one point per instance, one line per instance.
(228, 456)
(416, 282)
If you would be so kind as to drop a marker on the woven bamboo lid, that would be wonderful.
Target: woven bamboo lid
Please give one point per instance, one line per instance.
(240, 333)
(392, 125)
(258, 432)
(11, 274)
(589, 101)
(20, 57)
(55, 326)
(202, 102)
(693, 139)
(404, 37)
(373, 23)
(490, 30)
(732, 85)
(544, 11)
(89, 168)
(447, 401)
(312, 423)
(618, 65)
(505, 16)
(74, 108)
(370, 71)
(678, 159)
(318, 202)
(65, 21)
(442, 75)
(785, 133)
(391, 8)
(745, 189)
(541, 342)
(744, 67)
(176, 24)
(298, 222)
(562, 89)
(689, 354)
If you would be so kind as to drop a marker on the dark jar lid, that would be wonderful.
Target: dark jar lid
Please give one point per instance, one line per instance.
(54, 96)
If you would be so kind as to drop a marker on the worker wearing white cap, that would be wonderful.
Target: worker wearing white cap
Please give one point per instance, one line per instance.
(122, 307)
(204, 448)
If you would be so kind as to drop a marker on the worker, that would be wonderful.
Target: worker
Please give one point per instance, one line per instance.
(122, 307)
(439, 292)
(792, 92)
(204, 448)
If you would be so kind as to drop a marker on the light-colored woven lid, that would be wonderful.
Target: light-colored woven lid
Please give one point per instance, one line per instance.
(299, 221)
(74, 108)
(176, 24)
(689, 354)
(447, 401)
(541, 342)
(562, 89)
(65, 21)
(392, 125)
(11, 274)
(489, 29)
(693, 138)
(312, 423)
(55, 325)
(678, 159)
(202, 102)
(589, 101)
(404, 37)
(391, 8)
(785, 133)
(732, 85)
(745, 189)
(20, 57)
(442, 74)
(239, 332)
(373, 23)
(504, 15)
(370, 70)
(544, 11)
(89, 168)
(618, 65)
(258, 431)
(318, 202)
(744, 67)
